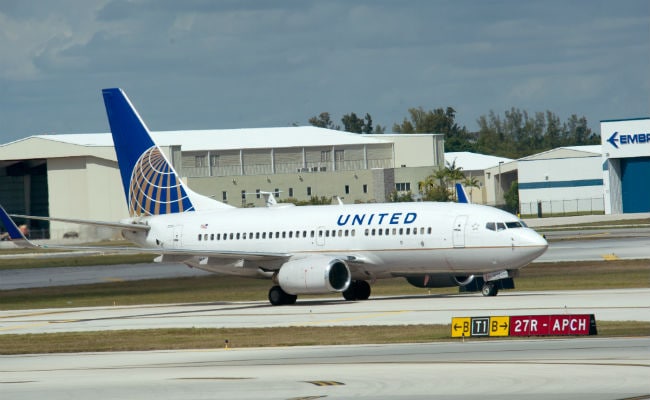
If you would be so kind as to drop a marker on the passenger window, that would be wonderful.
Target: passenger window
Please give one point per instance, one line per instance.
(490, 226)
(200, 237)
(352, 232)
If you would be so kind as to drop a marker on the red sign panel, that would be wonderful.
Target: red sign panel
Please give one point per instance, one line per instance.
(552, 325)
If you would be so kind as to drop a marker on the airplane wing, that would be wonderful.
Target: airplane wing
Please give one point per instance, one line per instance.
(112, 225)
(19, 239)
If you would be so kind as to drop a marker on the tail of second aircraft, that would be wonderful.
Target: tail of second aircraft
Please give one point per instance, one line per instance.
(151, 185)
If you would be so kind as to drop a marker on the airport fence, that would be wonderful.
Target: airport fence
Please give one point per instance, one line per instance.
(549, 208)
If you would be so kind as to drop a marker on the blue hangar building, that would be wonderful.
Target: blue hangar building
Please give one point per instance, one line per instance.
(626, 165)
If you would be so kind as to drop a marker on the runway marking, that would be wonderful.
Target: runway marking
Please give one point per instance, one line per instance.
(610, 257)
(326, 383)
(11, 328)
(368, 316)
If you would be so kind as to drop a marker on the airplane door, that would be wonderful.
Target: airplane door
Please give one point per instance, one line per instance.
(176, 239)
(458, 235)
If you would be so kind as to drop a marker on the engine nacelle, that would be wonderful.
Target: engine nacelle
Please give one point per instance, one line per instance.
(439, 280)
(314, 275)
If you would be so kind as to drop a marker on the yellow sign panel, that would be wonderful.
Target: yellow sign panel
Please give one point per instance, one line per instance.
(499, 326)
(461, 327)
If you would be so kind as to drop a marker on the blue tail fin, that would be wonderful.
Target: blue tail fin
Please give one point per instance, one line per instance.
(460, 193)
(151, 185)
(14, 232)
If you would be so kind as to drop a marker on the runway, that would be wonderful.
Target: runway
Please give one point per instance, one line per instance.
(584, 368)
(607, 305)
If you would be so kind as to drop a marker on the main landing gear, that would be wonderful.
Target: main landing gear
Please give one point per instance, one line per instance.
(358, 290)
(279, 297)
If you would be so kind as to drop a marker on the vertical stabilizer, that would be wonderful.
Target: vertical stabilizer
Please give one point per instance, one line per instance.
(151, 185)
(461, 194)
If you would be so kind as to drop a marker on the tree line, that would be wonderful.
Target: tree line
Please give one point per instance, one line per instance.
(514, 134)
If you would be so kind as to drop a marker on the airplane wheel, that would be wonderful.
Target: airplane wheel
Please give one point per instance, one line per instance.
(358, 290)
(278, 297)
(363, 290)
(490, 289)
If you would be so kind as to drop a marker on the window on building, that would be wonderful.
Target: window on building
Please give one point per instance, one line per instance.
(308, 190)
(199, 161)
(214, 160)
(365, 188)
(403, 186)
(339, 155)
(224, 196)
(257, 194)
(290, 192)
(347, 189)
(325, 155)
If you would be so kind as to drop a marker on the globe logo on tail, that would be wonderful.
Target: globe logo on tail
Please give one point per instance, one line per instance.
(155, 188)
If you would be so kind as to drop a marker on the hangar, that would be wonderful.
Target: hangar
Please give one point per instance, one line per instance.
(76, 175)
(626, 165)
(564, 180)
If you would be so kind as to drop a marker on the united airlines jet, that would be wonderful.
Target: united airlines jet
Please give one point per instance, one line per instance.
(309, 249)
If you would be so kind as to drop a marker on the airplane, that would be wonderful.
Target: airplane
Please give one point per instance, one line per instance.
(308, 249)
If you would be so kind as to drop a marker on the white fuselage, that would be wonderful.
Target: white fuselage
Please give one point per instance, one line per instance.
(381, 240)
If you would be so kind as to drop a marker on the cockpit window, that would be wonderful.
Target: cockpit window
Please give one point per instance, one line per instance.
(515, 224)
(491, 226)
(501, 226)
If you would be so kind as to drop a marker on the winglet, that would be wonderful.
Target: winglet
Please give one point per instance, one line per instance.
(460, 193)
(15, 234)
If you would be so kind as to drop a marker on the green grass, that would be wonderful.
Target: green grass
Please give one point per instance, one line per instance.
(547, 276)
(203, 338)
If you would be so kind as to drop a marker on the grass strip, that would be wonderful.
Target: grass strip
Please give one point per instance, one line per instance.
(210, 288)
(203, 338)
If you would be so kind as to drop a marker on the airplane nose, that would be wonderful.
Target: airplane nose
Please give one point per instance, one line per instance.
(535, 240)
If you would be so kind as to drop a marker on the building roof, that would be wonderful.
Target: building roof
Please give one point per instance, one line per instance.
(474, 161)
(567, 152)
(231, 139)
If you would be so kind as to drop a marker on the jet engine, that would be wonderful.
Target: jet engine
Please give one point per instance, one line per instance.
(314, 275)
(439, 280)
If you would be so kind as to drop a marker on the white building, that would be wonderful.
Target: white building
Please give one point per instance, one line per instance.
(492, 174)
(562, 180)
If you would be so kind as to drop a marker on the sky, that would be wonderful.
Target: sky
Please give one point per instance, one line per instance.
(200, 64)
